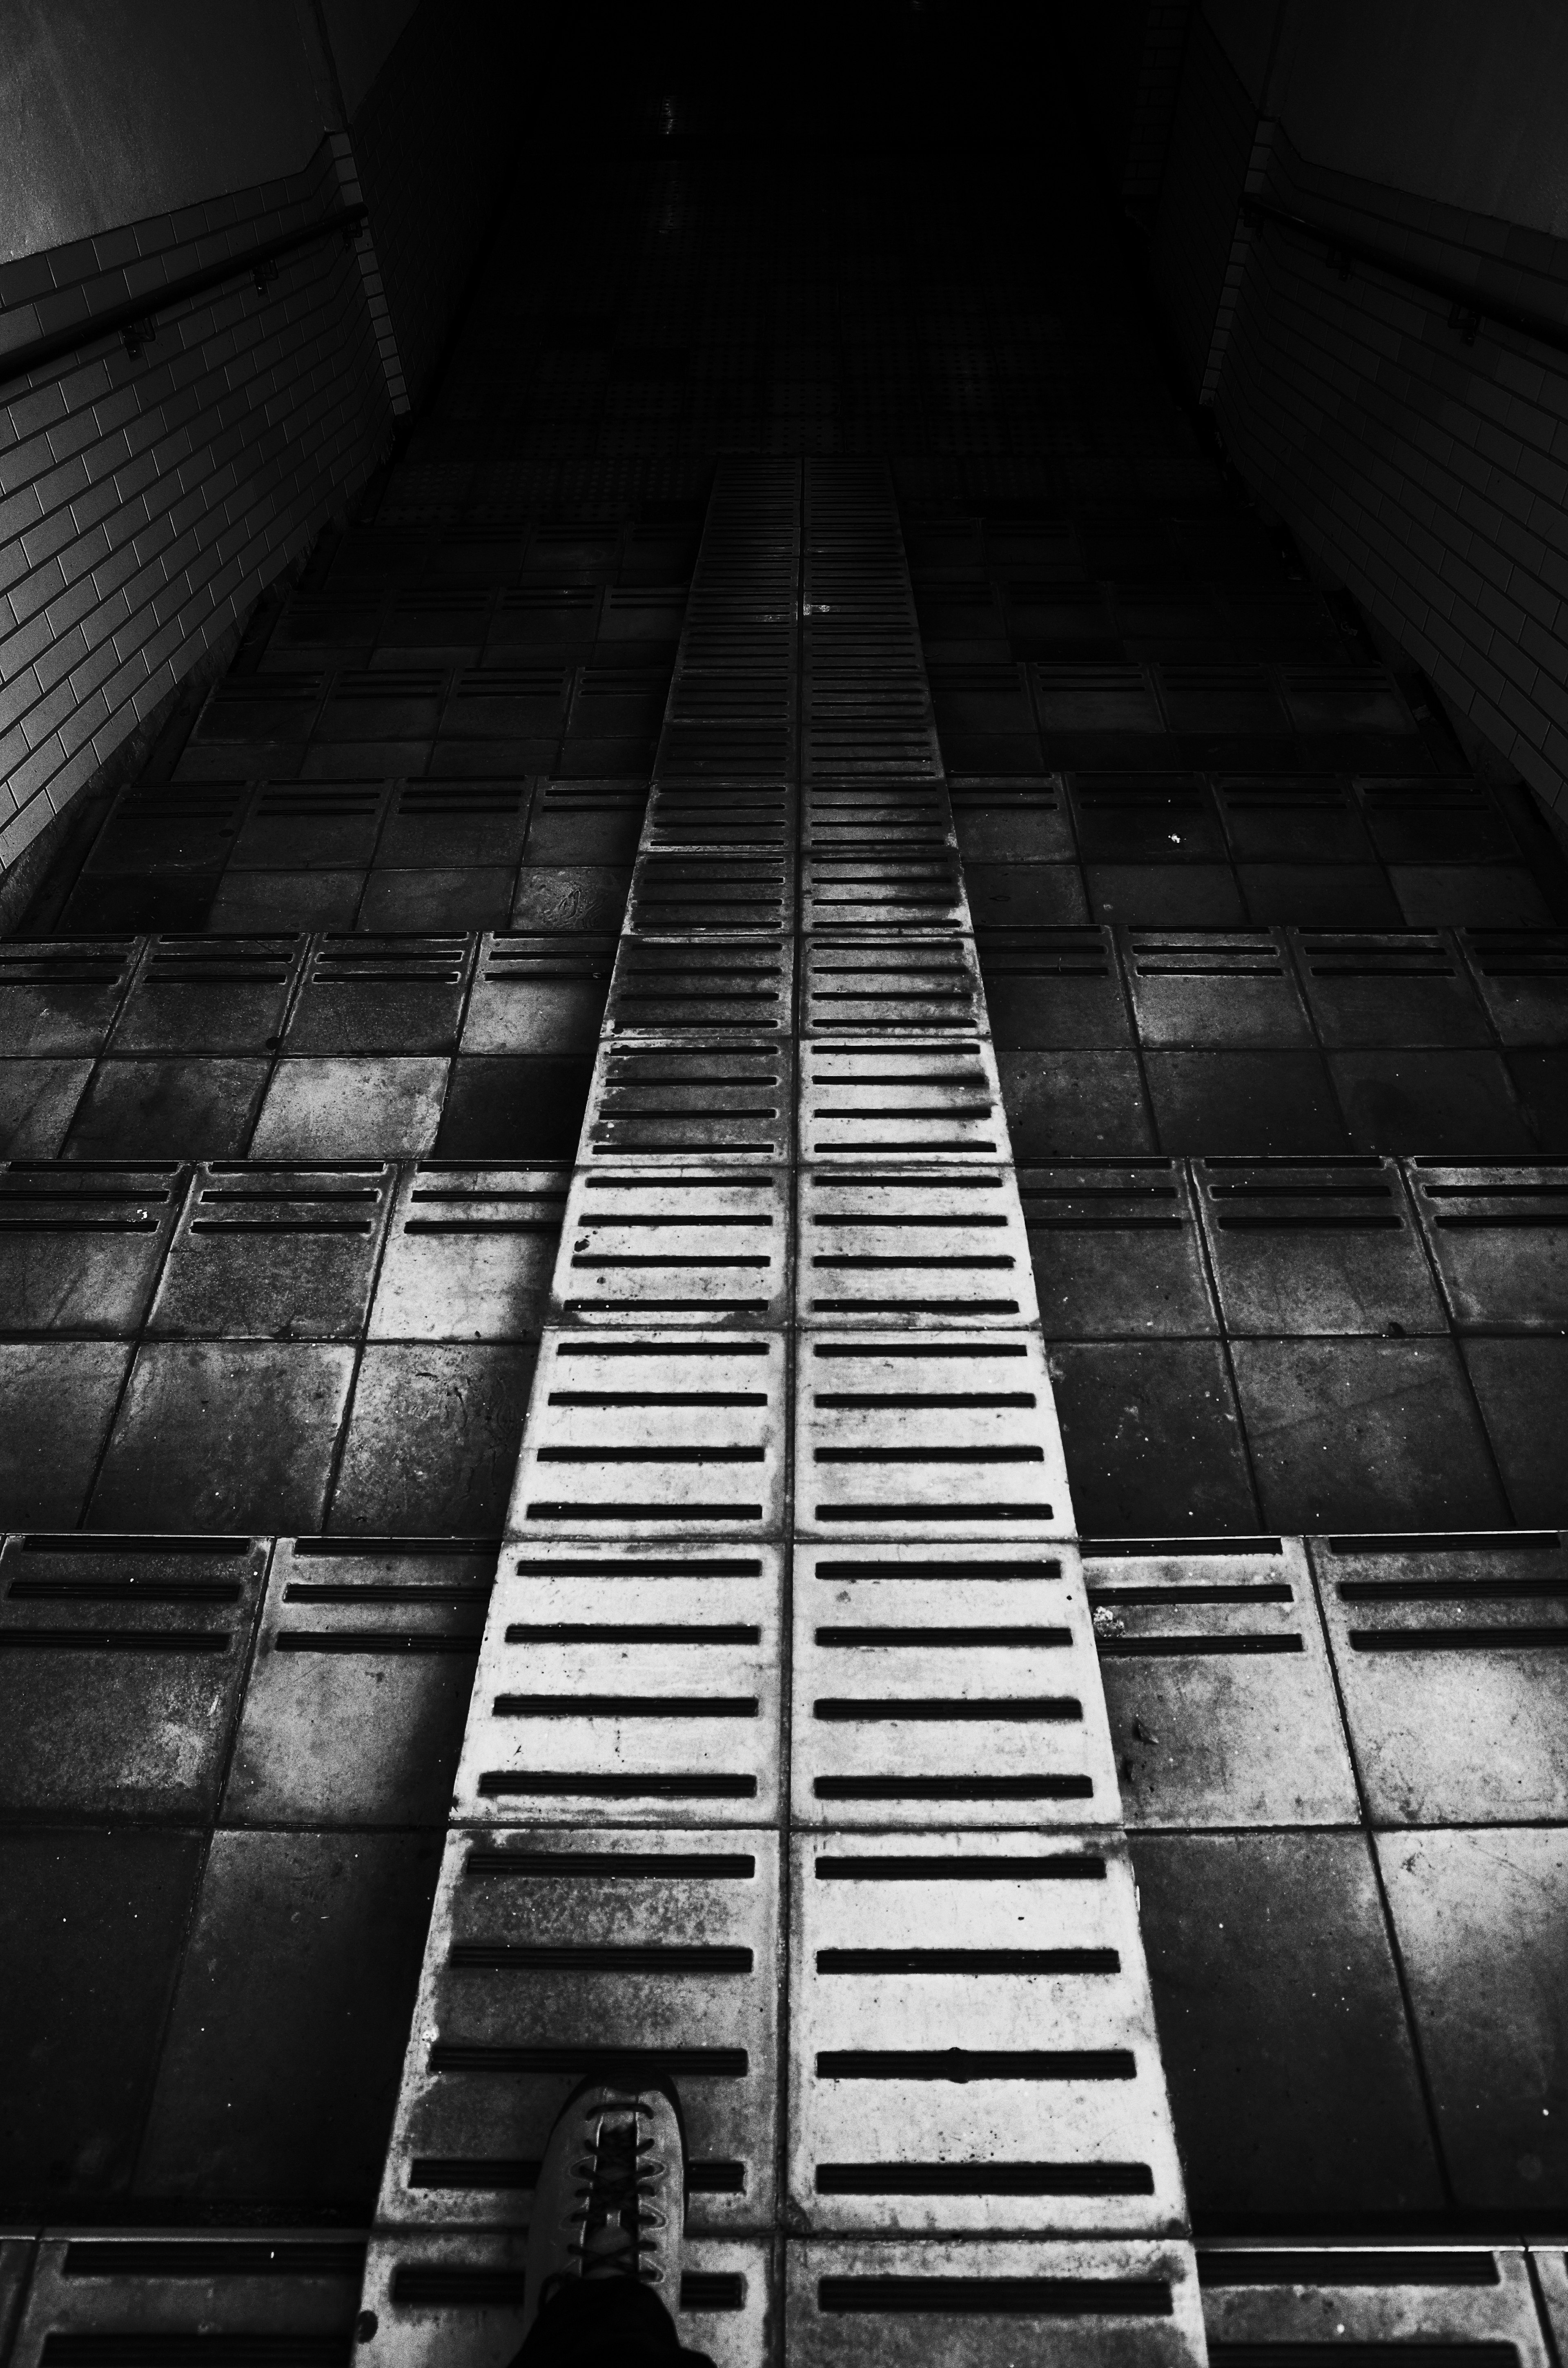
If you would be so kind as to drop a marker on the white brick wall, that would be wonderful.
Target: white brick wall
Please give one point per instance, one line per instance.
(144, 504)
(1428, 475)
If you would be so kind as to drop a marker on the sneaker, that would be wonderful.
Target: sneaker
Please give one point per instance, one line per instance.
(611, 2195)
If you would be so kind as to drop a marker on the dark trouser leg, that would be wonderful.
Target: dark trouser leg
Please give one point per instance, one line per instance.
(605, 2323)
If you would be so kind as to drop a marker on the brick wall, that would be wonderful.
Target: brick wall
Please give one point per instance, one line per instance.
(1127, 56)
(1428, 475)
(1154, 97)
(439, 133)
(1206, 167)
(144, 503)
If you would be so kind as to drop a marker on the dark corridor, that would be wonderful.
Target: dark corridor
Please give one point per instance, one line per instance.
(298, 1031)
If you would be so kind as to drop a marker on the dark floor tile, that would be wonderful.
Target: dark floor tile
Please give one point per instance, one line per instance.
(36, 1101)
(121, 1673)
(1523, 1389)
(1177, 895)
(1366, 1435)
(1469, 895)
(1540, 1081)
(1431, 1101)
(473, 897)
(1153, 1444)
(1022, 895)
(997, 753)
(1015, 825)
(1292, 2077)
(597, 760)
(1319, 896)
(1116, 1251)
(100, 905)
(570, 896)
(260, 901)
(1448, 1654)
(224, 1435)
(282, 2066)
(1481, 1919)
(1269, 1103)
(57, 1400)
(185, 1107)
(515, 1106)
(1073, 1105)
(356, 1107)
(356, 1697)
(91, 1928)
(433, 1439)
(1060, 989)
(1319, 1247)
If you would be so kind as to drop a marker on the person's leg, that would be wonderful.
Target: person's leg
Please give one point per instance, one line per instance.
(603, 2269)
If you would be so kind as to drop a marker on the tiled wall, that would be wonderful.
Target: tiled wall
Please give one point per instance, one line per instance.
(1427, 474)
(439, 133)
(144, 503)
(1206, 167)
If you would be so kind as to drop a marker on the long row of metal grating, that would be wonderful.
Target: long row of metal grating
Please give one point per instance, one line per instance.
(791, 1433)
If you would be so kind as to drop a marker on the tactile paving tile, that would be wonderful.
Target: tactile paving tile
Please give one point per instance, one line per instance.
(1213, 986)
(1056, 987)
(1551, 2263)
(284, 2295)
(857, 983)
(915, 1247)
(398, 994)
(1498, 1234)
(880, 2303)
(15, 2268)
(275, 1252)
(121, 1667)
(1522, 975)
(851, 818)
(537, 994)
(690, 1099)
(718, 987)
(360, 1682)
(689, 815)
(60, 996)
(882, 890)
(911, 1100)
(1217, 1683)
(1315, 1245)
(469, 1252)
(677, 1244)
(951, 1683)
(550, 1953)
(941, 1435)
(632, 1685)
(433, 823)
(1379, 2303)
(438, 2295)
(155, 828)
(664, 1434)
(312, 826)
(81, 1243)
(1452, 1654)
(209, 994)
(971, 2037)
(1406, 987)
(676, 894)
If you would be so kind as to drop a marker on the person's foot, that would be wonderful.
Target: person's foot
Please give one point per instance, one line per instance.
(611, 2196)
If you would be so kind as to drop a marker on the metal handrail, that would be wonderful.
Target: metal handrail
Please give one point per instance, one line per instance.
(136, 319)
(1470, 306)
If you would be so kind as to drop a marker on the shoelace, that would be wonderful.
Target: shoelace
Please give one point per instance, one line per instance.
(615, 2189)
